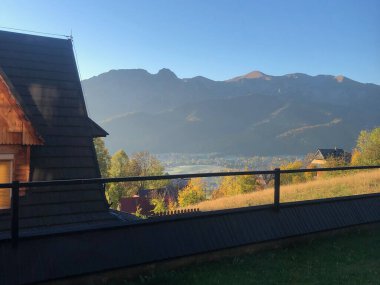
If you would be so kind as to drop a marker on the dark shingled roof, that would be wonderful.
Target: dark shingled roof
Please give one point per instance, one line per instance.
(329, 152)
(43, 78)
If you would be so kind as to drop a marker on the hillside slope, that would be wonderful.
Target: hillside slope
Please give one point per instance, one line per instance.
(366, 182)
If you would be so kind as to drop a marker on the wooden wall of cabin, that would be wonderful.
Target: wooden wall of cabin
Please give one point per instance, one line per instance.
(21, 162)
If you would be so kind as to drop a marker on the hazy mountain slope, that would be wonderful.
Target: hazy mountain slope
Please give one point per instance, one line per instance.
(137, 90)
(251, 114)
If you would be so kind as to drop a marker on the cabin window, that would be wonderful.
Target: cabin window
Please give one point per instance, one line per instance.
(5, 177)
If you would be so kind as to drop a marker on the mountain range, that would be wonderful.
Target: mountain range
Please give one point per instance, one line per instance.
(253, 114)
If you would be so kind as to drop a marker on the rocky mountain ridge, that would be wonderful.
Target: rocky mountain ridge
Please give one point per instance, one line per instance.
(251, 114)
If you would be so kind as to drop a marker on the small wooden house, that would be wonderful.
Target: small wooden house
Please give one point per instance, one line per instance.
(17, 135)
(321, 156)
(46, 134)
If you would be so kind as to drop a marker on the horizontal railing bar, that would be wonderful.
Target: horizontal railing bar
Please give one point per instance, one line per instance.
(175, 176)
(132, 178)
(344, 168)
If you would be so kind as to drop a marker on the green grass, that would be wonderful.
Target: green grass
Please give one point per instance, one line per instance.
(352, 258)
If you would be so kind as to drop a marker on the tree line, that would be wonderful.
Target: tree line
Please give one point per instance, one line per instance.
(366, 152)
(121, 165)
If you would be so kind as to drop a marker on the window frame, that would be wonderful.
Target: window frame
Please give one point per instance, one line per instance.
(10, 158)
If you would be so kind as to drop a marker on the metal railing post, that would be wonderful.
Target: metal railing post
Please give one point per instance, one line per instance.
(277, 173)
(15, 212)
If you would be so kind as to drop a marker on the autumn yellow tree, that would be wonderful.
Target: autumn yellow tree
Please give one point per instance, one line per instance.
(145, 164)
(193, 193)
(119, 168)
(159, 204)
(332, 162)
(103, 156)
(367, 150)
(236, 185)
(293, 177)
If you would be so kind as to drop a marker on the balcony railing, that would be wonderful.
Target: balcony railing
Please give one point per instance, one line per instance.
(16, 185)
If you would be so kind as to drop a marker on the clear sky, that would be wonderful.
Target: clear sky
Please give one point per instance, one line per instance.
(217, 39)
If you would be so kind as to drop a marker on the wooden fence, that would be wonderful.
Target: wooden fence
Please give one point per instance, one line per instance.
(175, 212)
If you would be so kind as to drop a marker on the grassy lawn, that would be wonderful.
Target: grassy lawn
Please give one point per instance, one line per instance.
(356, 183)
(352, 258)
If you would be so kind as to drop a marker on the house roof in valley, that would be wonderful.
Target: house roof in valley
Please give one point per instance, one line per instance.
(324, 153)
(42, 76)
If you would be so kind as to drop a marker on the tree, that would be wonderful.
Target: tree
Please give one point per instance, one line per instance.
(159, 205)
(355, 157)
(294, 177)
(308, 159)
(236, 185)
(367, 150)
(193, 193)
(139, 213)
(332, 162)
(140, 164)
(228, 187)
(172, 204)
(104, 158)
(145, 164)
(248, 183)
(119, 168)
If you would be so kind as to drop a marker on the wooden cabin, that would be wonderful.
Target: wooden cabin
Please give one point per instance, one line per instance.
(321, 156)
(46, 134)
(17, 135)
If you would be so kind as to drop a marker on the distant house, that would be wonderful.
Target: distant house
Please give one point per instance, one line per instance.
(46, 134)
(132, 204)
(169, 192)
(321, 156)
(144, 197)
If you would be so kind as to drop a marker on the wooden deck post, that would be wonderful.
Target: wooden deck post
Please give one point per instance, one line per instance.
(15, 213)
(277, 173)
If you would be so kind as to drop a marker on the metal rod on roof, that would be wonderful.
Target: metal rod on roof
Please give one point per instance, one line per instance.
(34, 32)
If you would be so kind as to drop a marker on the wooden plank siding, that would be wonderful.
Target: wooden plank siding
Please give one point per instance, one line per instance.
(14, 128)
(21, 162)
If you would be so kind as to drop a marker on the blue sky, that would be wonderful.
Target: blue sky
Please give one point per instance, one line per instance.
(217, 39)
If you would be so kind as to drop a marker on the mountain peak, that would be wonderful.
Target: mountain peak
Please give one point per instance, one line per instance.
(166, 72)
(252, 75)
(339, 78)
